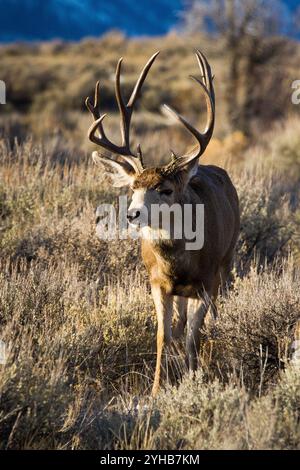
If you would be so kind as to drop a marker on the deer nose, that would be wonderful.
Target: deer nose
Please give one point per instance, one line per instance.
(133, 214)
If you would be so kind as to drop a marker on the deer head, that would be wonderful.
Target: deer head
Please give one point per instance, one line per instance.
(165, 184)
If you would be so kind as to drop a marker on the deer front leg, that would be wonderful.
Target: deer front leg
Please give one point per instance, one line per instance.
(163, 305)
(195, 320)
(180, 313)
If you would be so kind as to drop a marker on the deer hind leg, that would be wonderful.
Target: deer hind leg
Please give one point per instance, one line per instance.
(195, 320)
(180, 313)
(215, 292)
(221, 284)
(164, 311)
(226, 273)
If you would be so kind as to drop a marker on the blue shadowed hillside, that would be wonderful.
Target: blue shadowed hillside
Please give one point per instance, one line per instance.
(74, 19)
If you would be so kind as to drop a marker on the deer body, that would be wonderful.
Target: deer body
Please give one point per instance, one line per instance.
(188, 273)
(176, 273)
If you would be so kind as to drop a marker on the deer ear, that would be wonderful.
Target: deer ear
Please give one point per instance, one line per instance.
(188, 171)
(120, 173)
(192, 169)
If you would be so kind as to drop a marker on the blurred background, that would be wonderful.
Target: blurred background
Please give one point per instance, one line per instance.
(53, 52)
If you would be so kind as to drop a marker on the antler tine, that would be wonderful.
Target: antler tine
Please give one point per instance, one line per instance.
(203, 138)
(94, 110)
(101, 140)
(206, 72)
(124, 152)
(125, 122)
(140, 81)
(127, 110)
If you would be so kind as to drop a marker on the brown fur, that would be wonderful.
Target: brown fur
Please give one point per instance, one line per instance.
(150, 178)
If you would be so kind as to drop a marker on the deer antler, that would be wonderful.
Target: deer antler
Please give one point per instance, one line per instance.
(123, 152)
(203, 139)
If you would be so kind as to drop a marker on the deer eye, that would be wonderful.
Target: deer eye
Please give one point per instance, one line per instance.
(165, 192)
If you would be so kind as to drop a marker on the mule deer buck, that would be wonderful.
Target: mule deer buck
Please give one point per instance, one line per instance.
(176, 273)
